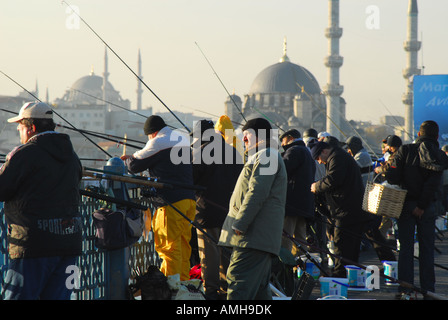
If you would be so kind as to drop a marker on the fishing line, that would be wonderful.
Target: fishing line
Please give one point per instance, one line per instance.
(127, 66)
(231, 98)
(34, 96)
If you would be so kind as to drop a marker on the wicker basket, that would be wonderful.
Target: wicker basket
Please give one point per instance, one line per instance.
(383, 200)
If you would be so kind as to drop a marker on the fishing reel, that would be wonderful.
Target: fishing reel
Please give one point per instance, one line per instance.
(149, 192)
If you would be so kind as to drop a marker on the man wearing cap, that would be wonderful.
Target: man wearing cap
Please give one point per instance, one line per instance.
(344, 191)
(216, 166)
(300, 168)
(39, 184)
(356, 150)
(393, 142)
(160, 156)
(418, 168)
(254, 224)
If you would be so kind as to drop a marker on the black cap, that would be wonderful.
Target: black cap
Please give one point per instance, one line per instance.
(201, 126)
(293, 133)
(394, 141)
(316, 148)
(258, 124)
(354, 143)
(152, 124)
(310, 133)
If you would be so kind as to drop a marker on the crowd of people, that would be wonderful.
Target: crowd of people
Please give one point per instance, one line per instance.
(309, 187)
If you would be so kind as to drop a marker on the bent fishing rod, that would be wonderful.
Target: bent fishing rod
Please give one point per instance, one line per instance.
(127, 66)
(71, 125)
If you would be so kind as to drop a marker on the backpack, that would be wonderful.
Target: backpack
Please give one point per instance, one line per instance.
(152, 285)
(117, 229)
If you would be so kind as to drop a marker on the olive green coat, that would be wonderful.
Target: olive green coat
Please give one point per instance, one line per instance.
(257, 205)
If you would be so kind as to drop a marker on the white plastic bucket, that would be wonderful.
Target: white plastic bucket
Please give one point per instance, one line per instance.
(356, 276)
(310, 267)
(333, 286)
(391, 270)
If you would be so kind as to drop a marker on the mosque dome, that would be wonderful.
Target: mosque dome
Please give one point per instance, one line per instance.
(284, 76)
(88, 90)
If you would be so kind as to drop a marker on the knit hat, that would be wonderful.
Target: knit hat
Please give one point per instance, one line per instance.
(354, 143)
(316, 148)
(33, 110)
(292, 133)
(153, 124)
(258, 124)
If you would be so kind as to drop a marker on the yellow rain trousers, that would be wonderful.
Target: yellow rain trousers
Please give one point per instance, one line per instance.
(172, 234)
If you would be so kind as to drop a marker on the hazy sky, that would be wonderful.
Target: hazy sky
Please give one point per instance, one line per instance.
(40, 40)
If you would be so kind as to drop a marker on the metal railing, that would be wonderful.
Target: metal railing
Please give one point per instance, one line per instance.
(95, 265)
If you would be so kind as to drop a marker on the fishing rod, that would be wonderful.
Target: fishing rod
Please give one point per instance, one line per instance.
(231, 98)
(105, 137)
(34, 96)
(118, 106)
(402, 128)
(267, 118)
(92, 133)
(142, 178)
(127, 66)
(343, 117)
(126, 179)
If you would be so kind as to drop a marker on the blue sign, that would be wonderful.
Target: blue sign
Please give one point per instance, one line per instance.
(431, 103)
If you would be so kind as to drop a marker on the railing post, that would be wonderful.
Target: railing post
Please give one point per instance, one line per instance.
(116, 262)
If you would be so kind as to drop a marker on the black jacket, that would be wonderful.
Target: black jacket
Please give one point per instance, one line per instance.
(418, 168)
(301, 169)
(343, 188)
(218, 176)
(39, 184)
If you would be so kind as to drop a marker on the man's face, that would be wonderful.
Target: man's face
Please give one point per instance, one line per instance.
(286, 140)
(25, 132)
(249, 139)
(323, 157)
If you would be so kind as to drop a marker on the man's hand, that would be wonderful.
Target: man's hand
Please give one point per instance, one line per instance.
(313, 187)
(417, 212)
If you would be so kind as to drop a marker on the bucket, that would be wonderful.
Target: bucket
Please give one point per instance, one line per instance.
(356, 277)
(391, 270)
(333, 286)
(310, 267)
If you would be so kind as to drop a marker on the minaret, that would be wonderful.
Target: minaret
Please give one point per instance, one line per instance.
(333, 90)
(411, 46)
(105, 76)
(139, 83)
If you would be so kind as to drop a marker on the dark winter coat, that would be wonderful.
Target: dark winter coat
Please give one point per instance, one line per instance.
(219, 177)
(301, 169)
(39, 184)
(418, 168)
(343, 188)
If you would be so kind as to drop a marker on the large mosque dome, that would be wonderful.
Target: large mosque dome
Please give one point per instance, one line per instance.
(284, 76)
(89, 90)
(287, 94)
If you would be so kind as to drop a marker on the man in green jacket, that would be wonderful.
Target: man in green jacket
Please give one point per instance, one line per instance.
(254, 224)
